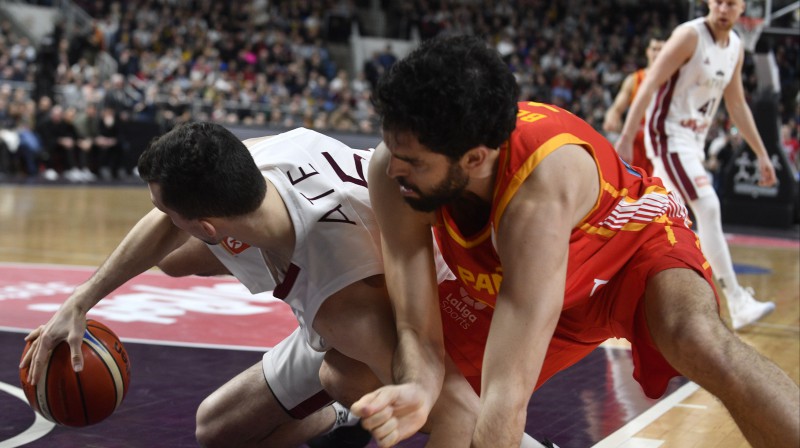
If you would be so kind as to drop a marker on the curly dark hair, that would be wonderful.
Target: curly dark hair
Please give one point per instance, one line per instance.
(452, 93)
(204, 171)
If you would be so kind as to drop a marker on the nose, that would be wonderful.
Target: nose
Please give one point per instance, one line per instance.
(396, 168)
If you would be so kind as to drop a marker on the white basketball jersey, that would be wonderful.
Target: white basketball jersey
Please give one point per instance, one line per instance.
(337, 242)
(685, 105)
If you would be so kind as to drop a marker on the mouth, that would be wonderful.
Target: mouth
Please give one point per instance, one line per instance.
(406, 191)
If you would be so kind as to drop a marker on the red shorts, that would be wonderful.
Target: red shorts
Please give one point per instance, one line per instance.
(616, 311)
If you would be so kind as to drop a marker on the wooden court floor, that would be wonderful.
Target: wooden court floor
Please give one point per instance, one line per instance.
(80, 225)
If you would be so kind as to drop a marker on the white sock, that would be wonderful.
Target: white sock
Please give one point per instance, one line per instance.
(712, 240)
(343, 417)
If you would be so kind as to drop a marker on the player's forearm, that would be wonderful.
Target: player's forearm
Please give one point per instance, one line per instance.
(519, 336)
(149, 241)
(612, 119)
(506, 389)
(419, 361)
(634, 117)
(743, 119)
(502, 419)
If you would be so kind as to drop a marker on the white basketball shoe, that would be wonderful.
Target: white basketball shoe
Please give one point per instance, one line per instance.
(745, 309)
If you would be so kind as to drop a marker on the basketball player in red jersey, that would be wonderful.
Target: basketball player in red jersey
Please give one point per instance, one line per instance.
(626, 94)
(562, 243)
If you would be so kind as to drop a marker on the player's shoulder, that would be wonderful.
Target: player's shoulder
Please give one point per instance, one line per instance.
(380, 184)
(687, 30)
(250, 142)
(380, 158)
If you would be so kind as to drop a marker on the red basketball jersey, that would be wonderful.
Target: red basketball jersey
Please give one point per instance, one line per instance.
(628, 202)
(635, 230)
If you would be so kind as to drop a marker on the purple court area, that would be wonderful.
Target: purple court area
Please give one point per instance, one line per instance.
(575, 409)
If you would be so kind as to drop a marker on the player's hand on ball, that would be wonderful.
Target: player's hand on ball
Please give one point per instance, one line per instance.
(393, 413)
(66, 325)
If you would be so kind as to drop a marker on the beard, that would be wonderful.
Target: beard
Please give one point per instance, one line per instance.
(450, 188)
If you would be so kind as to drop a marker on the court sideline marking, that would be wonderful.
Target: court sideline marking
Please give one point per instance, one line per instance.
(37, 430)
(626, 433)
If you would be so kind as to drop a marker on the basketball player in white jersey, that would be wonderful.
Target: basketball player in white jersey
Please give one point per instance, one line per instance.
(699, 66)
(297, 222)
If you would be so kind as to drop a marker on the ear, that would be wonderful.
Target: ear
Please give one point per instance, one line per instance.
(478, 161)
(209, 229)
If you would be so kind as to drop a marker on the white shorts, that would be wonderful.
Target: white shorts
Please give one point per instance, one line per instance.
(292, 373)
(678, 161)
(292, 367)
(684, 173)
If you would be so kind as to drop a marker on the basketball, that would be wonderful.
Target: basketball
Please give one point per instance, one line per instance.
(84, 398)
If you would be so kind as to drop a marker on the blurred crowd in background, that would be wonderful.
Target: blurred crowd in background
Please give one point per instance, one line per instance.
(269, 63)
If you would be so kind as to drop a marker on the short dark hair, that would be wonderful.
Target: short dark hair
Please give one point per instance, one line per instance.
(452, 93)
(204, 171)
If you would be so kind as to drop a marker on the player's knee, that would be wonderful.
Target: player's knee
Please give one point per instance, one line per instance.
(171, 269)
(207, 430)
(699, 344)
(345, 379)
(707, 210)
(327, 375)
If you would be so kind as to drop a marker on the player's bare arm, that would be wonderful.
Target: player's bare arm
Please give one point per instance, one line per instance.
(676, 51)
(146, 244)
(742, 117)
(613, 118)
(533, 244)
(395, 412)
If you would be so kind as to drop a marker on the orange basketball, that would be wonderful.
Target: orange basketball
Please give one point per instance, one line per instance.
(87, 397)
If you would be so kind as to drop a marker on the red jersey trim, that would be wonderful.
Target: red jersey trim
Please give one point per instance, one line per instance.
(544, 150)
(456, 236)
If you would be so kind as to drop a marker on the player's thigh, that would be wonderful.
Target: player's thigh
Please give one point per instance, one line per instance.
(284, 386)
(291, 371)
(684, 172)
(192, 258)
(682, 313)
(358, 322)
(345, 379)
(241, 409)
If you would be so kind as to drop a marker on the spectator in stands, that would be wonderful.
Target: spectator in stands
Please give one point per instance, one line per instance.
(791, 146)
(76, 156)
(387, 58)
(220, 50)
(109, 149)
(85, 123)
(42, 113)
(373, 69)
(59, 142)
(116, 98)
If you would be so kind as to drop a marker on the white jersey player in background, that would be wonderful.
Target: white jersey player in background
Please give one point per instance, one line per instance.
(699, 66)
